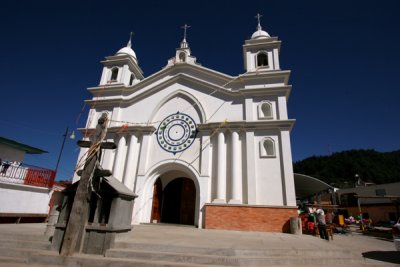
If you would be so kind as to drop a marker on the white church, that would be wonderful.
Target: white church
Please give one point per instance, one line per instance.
(200, 147)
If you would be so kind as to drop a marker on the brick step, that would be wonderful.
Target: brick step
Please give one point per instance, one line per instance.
(172, 248)
(25, 237)
(19, 264)
(85, 260)
(5, 260)
(136, 246)
(275, 259)
(157, 256)
(13, 243)
(21, 253)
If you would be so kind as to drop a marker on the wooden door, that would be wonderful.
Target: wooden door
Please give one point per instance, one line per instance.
(157, 202)
(188, 202)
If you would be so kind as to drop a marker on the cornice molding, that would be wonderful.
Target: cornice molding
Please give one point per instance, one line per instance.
(249, 125)
(120, 99)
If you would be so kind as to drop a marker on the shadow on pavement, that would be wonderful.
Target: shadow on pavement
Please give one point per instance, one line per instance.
(386, 256)
(384, 236)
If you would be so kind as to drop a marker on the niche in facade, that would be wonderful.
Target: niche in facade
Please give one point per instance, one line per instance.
(267, 148)
(265, 110)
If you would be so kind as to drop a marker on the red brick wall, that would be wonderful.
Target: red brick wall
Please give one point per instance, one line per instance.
(249, 218)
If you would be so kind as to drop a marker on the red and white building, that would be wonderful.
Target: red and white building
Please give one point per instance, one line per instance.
(25, 190)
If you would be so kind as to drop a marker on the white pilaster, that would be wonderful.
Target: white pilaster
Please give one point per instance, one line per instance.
(131, 162)
(205, 154)
(221, 182)
(125, 75)
(91, 122)
(140, 202)
(276, 59)
(104, 74)
(203, 191)
(288, 191)
(115, 116)
(144, 152)
(249, 109)
(236, 170)
(107, 162)
(251, 168)
(282, 108)
(119, 163)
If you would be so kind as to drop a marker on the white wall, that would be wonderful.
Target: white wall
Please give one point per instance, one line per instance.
(268, 172)
(24, 199)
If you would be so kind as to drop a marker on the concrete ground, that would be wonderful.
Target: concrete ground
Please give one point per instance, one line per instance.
(374, 250)
(371, 250)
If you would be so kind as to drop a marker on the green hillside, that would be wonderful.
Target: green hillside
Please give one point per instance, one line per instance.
(339, 169)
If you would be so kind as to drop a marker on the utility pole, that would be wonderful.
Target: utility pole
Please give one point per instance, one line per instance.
(62, 148)
(75, 229)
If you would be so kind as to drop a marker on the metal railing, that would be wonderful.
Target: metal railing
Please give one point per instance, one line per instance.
(27, 175)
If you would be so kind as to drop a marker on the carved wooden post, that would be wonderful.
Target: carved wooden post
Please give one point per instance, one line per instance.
(75, 231)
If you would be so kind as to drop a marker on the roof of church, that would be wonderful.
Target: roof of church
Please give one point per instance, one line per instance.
(21, 146)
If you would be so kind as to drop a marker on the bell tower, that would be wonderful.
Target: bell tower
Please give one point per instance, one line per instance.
(183, 54)
(122, 68)
(261, 52)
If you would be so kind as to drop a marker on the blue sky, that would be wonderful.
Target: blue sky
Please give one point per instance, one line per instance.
(344, 57)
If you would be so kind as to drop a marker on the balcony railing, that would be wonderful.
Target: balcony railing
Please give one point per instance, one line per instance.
(27, 175)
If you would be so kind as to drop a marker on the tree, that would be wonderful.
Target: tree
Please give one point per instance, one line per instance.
(340, 168)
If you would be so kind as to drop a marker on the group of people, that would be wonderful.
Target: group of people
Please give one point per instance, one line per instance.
(316, 217)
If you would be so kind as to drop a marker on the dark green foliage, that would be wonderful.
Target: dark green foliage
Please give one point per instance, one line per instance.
(339, 169)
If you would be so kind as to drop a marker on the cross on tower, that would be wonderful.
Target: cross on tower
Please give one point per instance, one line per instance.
(130, 39)
(185, 27)
(258, 19)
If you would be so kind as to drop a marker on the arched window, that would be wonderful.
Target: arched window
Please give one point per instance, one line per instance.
(114, 74)
(265, 110)
(131, 79)
(267, 148)
(262, 59)
(182, 57)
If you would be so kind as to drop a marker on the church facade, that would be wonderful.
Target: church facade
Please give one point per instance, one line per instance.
(200, 147)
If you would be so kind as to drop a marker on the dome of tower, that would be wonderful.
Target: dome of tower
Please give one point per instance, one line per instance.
(260, 34)
(128, 51)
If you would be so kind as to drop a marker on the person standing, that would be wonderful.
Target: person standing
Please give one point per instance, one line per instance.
(322, 224)
(5, 166)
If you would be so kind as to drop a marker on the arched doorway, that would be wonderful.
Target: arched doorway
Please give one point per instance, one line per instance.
(174, 203)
